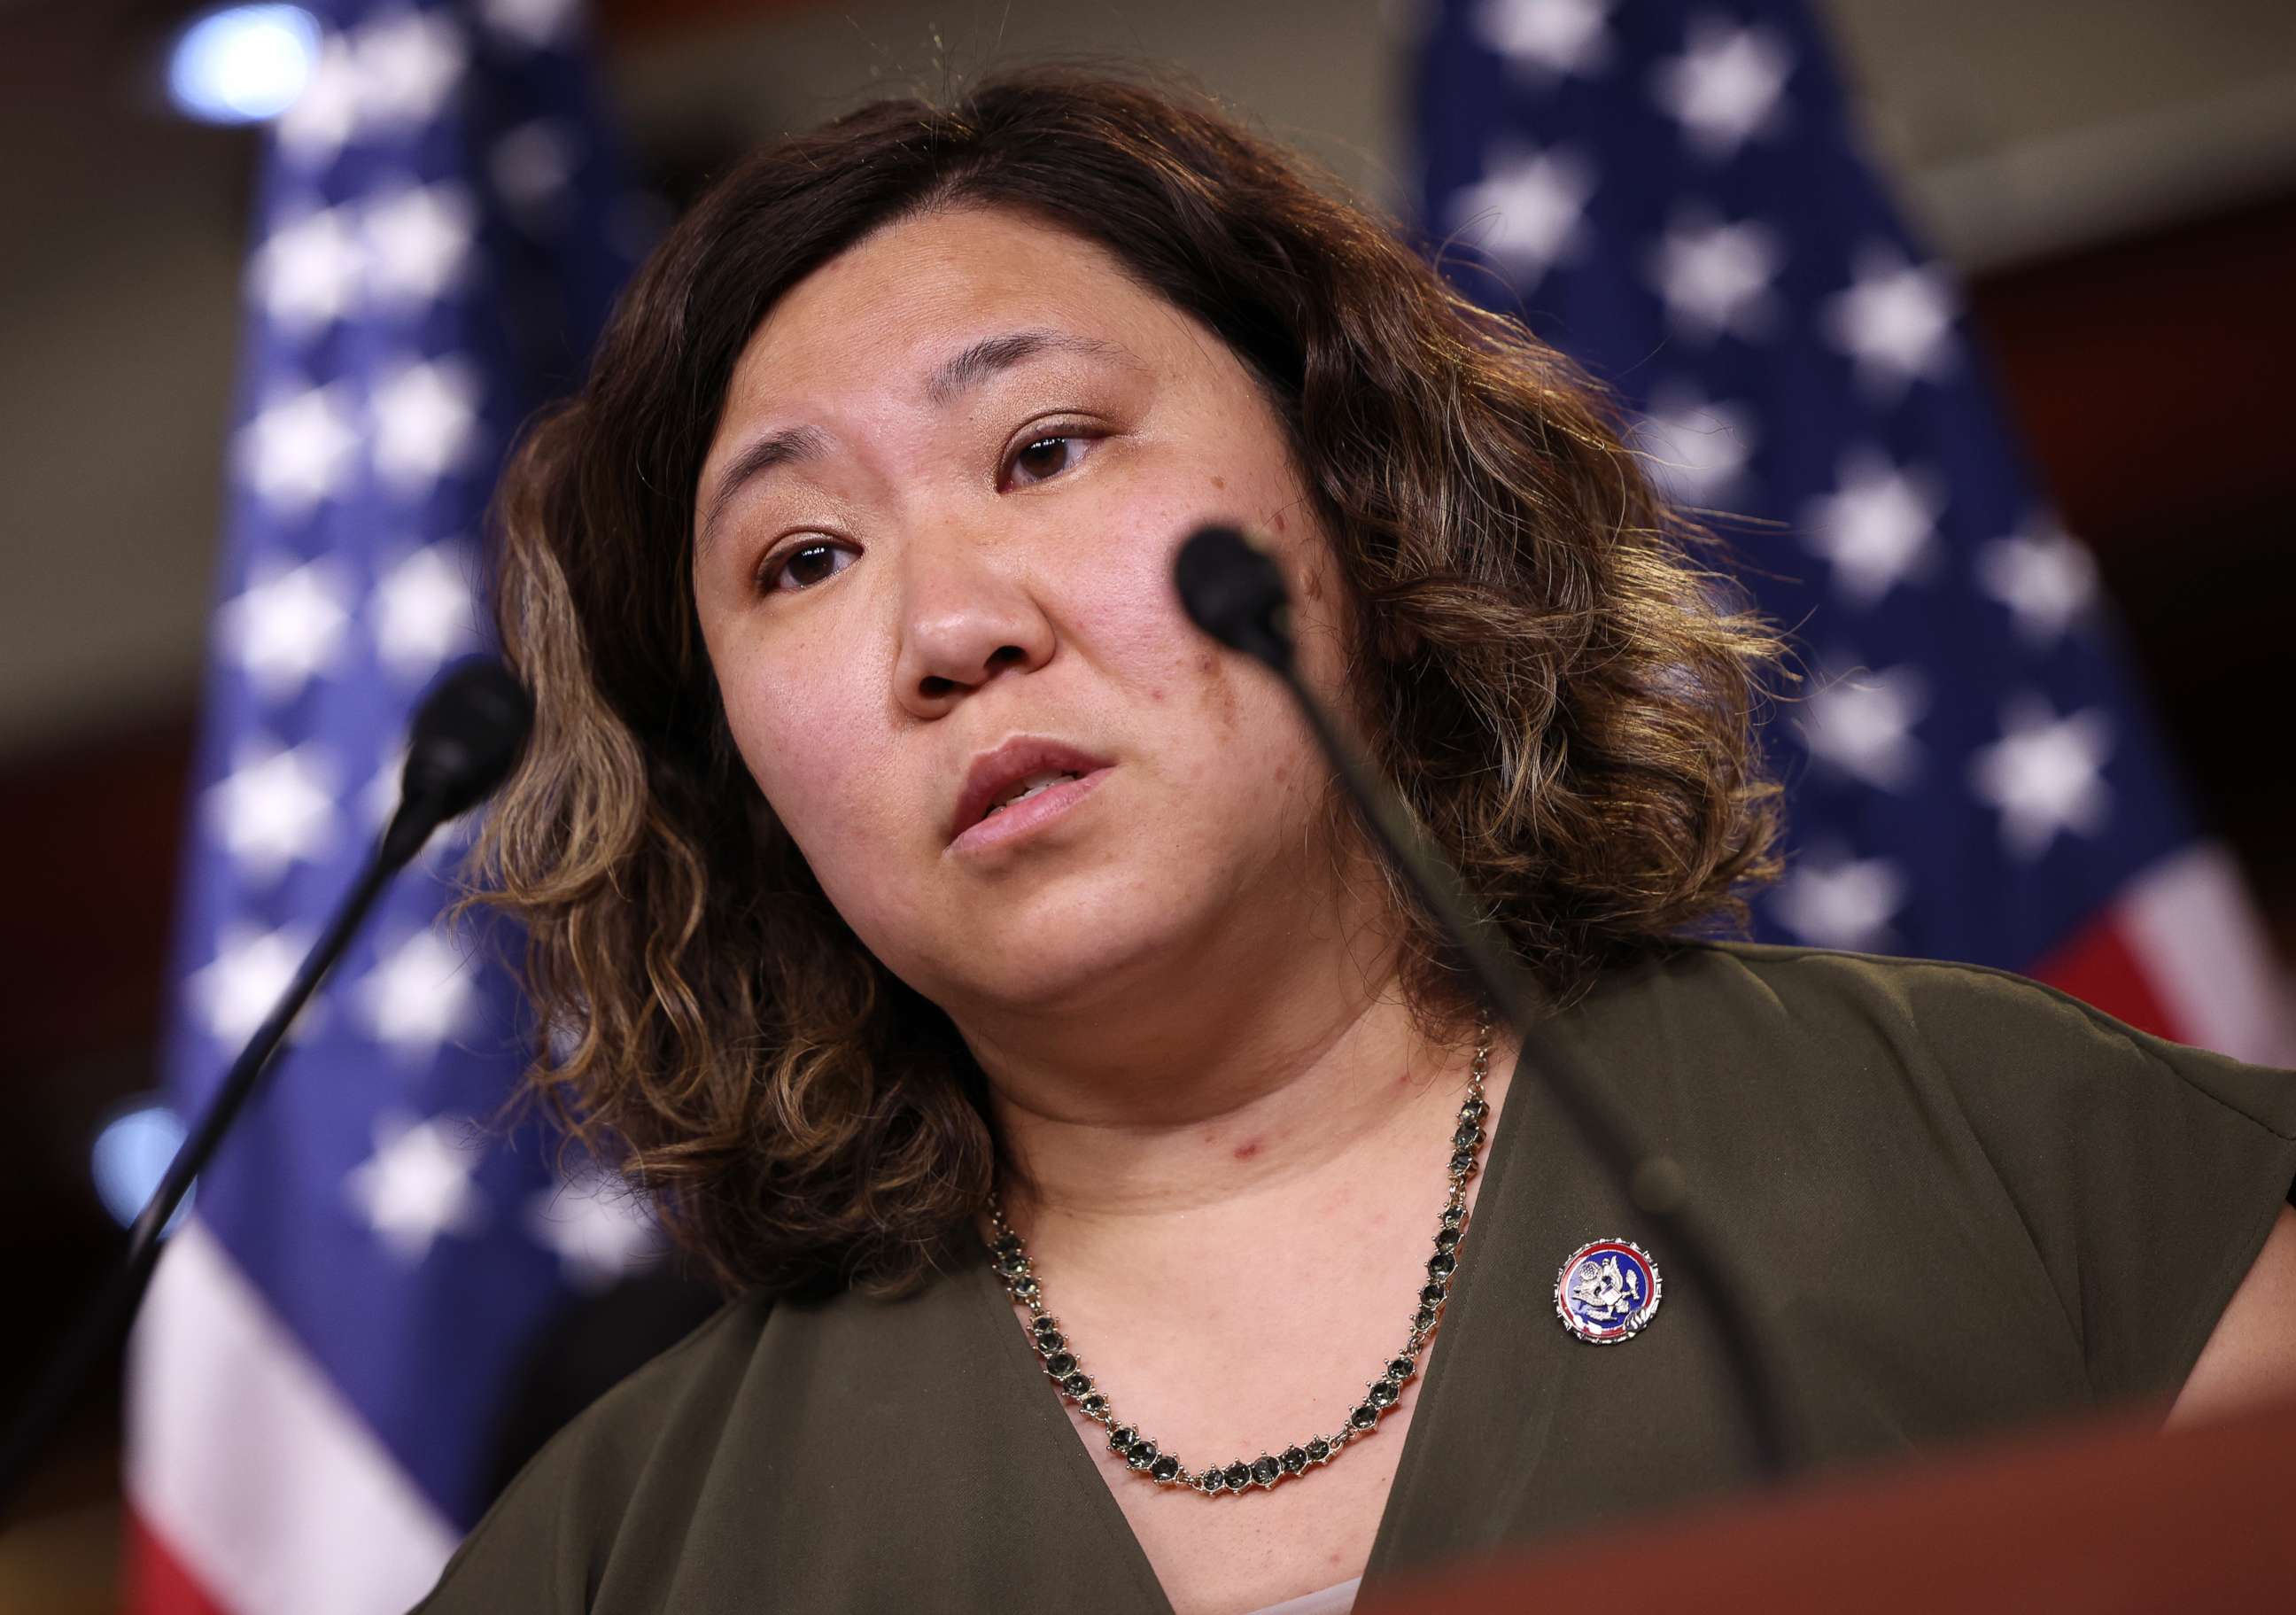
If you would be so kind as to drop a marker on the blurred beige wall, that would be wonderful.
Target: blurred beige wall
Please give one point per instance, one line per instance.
(2015, 128)
(118, 319)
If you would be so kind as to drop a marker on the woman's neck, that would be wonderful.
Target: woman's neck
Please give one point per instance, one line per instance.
(1315, 1080)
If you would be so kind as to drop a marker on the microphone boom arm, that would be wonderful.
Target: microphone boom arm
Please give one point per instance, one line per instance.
(1236, 593)
(466, 738)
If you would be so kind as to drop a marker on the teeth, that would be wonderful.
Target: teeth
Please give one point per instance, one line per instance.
(1035, 784)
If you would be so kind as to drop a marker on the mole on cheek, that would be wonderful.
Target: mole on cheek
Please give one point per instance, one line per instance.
(1220, 483)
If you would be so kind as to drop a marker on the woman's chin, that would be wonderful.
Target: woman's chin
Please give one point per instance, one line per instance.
(1052, 972)
(1062, 961)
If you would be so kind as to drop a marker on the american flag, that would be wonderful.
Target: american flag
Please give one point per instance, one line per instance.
(319, 1373)
(1674, 193)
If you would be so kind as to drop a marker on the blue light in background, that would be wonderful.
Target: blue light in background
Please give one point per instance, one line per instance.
(243, 63)
(131, 1155)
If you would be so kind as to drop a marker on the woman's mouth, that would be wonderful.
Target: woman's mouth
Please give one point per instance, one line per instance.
(1028, 803)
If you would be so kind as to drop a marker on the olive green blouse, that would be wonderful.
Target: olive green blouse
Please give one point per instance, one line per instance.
(1959, 1201)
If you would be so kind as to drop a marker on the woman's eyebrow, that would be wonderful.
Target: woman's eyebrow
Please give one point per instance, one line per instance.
(982, 360)
(785, 447)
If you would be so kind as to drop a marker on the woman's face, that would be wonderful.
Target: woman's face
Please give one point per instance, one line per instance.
(934, 545)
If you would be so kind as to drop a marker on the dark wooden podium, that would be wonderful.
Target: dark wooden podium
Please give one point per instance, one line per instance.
(2102, 1517)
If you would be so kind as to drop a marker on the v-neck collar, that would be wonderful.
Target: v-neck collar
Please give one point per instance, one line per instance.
(1048, 1419)
(1414, 1460)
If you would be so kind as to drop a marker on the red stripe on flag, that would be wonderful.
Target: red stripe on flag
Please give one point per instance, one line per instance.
(2098, 967)
(156, 1583)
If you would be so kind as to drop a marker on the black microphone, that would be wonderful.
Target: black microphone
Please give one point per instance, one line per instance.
(465, 739)
(1235, 592)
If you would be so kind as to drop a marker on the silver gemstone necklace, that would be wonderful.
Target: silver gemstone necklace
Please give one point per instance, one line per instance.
(1009, 1259)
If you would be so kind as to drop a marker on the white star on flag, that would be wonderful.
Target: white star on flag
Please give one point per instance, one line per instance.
(233, 992)
(533, 23)
(1879, 529)
(599, 1228)
(532, 164)
(1830, 900)
(417, 242)
(307, 273)
(426, 423)
(299, 449)
(1716, 277)
(1533, 202)
(1895, 322)
(2046, 578)
(419, 996)
(315, 128)
(563, 1036)
(1699, 448)
(1861, 724)
(1547, 39)
(276, 808)
(418, 1183)
(288, 626)
(408, 64)
(2045, 774)
(1727, 86)
(425, 610)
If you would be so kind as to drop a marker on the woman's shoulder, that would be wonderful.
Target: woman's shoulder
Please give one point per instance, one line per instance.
(681, 1392)
(850, 1450)
(1966, 1022)
(1805, 975)
(540, 1544)
(1959, 1110)
(2050, 1090)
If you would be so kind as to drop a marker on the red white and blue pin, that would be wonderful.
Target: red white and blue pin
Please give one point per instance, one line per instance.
(1607, 1291)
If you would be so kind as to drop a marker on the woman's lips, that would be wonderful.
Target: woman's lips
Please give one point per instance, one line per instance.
(1008, 824)
(1002, 769)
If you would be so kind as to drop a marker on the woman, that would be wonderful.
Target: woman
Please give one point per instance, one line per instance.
(1128, 1206)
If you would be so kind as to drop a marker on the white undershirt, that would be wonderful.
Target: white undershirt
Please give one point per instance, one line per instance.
(1331, 1601)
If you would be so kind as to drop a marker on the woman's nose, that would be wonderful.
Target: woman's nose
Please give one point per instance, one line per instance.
(964, 620)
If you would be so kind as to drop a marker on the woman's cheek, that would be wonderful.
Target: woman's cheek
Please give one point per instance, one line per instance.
(781, 744)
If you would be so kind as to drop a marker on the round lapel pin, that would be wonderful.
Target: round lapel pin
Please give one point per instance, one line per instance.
(1606, 1290)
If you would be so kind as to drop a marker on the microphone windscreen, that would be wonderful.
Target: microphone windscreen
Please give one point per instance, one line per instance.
(466, 738)
(1234, 591)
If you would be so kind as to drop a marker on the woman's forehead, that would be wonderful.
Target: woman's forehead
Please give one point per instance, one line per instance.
(941, 277)
(924, 310)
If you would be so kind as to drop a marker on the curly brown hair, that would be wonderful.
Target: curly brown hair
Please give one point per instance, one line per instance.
(1565, 697)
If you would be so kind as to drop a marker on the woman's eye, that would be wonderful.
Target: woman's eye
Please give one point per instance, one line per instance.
(1047, 457)
(803, 566)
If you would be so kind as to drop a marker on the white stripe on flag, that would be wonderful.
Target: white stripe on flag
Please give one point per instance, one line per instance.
(2196, 935)
(246, 1461)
